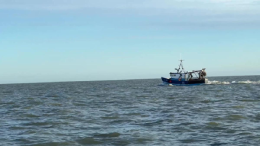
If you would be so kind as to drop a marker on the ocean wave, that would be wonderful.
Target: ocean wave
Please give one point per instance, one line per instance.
(217, 82)
(246, 82)
(233, 82)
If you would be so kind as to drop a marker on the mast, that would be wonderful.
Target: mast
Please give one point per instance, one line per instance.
(180, 67)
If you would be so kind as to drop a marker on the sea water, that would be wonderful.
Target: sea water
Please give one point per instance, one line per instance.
(226, 111)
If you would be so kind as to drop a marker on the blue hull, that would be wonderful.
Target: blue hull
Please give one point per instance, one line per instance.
(177, 82)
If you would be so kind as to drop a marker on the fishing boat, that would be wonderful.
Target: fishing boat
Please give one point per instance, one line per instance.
(181, 77)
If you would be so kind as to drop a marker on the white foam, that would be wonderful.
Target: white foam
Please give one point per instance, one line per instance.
(248, 82)
(233, 82)
(216, 82)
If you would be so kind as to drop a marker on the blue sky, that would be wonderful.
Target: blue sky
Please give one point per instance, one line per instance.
(81, 40)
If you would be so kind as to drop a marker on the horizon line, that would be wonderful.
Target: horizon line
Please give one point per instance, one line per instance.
(110, 80)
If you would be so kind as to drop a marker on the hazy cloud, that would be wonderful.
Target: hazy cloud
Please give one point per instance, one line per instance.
(172, 12)
(127, 4)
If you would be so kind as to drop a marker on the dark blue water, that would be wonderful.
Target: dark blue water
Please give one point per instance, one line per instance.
(131, 112)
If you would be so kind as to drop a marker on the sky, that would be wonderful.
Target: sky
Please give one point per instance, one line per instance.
(83, 40)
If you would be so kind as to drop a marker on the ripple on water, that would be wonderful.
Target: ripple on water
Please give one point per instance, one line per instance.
(213, 124)
(230, 117)
(238, 107)
(56, 104)
(44, 123)
(110, 117)
(108, 138)
(218, 144)
(22, 140)
(114, 134)
(191, 140)
(89, 141)
(52, 95)
(30, 116)
(244, 133)
(141, 140)
(257, 117)
(54, 144)
(235, 117)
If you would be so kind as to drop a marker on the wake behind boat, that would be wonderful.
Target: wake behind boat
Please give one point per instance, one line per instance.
(181, 77)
